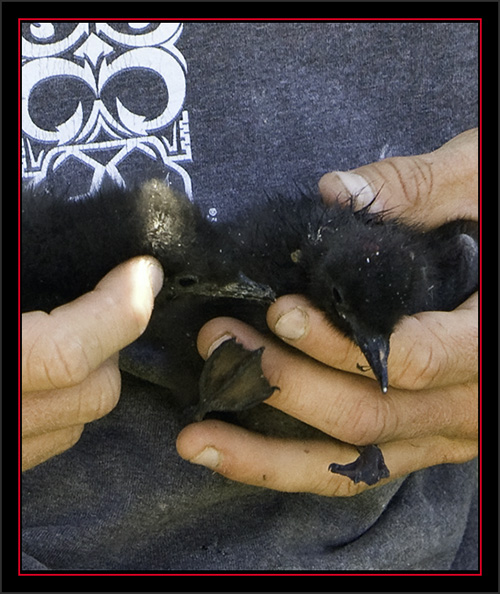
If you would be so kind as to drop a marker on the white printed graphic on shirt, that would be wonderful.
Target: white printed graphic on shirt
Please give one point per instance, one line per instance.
(85, 97)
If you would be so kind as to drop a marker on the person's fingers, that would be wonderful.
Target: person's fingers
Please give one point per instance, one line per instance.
(50, 411)
(344, 405)
(60, 349)
(429, 349)
(39, 448)
(302, 466)
(434, 348)
(430, 188)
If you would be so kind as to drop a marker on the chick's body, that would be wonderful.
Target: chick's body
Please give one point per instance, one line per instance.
(364, 270)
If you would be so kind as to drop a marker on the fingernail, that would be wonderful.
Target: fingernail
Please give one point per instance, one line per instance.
(209, 457)
(293, 324)
(218, 342)
(155, 272)
(357, 186)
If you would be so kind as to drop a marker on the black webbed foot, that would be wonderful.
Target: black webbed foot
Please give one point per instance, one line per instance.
(232, 380)
(368, 468)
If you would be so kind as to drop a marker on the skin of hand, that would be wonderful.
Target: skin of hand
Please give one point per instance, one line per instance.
(429, 415)
(69, 360)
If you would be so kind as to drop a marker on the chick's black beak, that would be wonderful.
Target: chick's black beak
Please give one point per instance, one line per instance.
(245, 288)
(240, 287)
(376, 351)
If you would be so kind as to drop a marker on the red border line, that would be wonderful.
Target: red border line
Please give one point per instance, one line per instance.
(314, 574)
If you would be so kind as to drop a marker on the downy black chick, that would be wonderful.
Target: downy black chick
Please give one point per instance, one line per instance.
(364, 270)
(69, 245)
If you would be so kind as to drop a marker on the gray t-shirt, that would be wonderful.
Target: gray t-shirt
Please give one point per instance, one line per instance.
(228, 112)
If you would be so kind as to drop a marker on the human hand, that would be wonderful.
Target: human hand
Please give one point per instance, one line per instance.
(428, 416)
(70, 372)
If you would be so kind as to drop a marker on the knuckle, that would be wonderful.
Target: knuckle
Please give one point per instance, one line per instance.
(60, 357)
(292, 394)
(414, 176)
(465, 351)
(363, 420)
(421, 367)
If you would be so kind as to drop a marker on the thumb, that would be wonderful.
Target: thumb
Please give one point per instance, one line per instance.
(431, 188)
